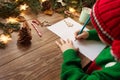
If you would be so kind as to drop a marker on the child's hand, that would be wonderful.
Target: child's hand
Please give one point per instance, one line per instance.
(64, 45)
(83, 35)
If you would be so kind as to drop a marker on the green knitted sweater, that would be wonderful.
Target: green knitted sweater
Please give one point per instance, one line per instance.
(105, 67)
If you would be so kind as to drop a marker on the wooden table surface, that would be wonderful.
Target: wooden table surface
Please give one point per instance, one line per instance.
(40, 61)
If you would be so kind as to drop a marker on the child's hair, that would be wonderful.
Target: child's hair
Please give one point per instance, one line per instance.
(105, 18)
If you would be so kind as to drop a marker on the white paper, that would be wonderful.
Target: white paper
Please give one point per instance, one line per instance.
(89, 48)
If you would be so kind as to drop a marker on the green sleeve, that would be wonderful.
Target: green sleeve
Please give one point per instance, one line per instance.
(71, 69)
(93, 35)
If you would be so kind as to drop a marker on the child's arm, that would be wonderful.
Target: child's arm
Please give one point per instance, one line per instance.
(90, 35)
(71, 69)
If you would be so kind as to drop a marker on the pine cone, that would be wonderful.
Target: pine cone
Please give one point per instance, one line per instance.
(46, 5)
(25, 35)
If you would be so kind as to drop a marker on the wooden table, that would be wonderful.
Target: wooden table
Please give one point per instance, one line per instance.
(40, 61)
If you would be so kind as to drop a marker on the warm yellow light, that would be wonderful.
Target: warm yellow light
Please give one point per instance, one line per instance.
(16, 0)
(43, 0)
(4, 38)
(23, 7)
(72, 10)
(11, 20)
(22, 14)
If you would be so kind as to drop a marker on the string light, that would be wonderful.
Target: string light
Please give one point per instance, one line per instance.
(12, 20)
(5, 38)
(43, 0)
(23, 7)
(16, 0)
(72, 10)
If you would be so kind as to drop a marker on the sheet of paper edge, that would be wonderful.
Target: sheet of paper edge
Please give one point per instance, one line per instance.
(83, 47)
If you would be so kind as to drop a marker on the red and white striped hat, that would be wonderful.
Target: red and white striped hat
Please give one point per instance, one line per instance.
(105, 18)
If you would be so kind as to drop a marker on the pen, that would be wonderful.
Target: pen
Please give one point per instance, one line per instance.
(86, 22)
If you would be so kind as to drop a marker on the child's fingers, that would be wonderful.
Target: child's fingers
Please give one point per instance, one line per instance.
(83, 35)
(69, 41)
(62, 41)
(76, 33)
(80, 36)
(59, 45)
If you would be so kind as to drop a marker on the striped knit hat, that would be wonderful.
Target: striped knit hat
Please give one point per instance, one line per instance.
(105, 18)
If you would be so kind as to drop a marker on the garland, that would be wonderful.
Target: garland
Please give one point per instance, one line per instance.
(8, 28)
(11, 9)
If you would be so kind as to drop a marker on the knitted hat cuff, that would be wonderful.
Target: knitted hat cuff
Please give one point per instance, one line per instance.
(106, 18)
(98, 25)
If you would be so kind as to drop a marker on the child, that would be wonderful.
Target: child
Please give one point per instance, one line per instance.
(105, 18)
